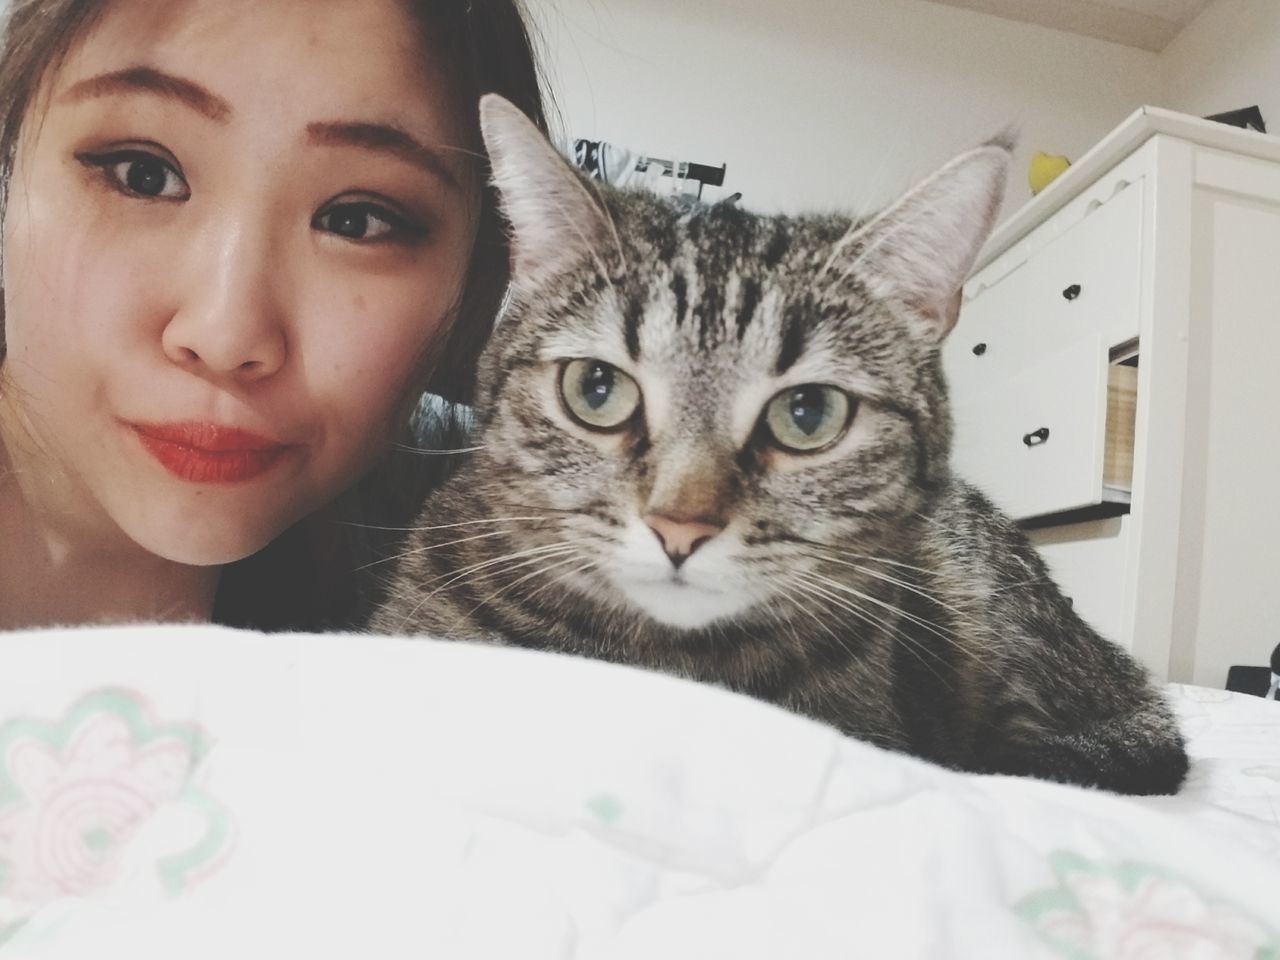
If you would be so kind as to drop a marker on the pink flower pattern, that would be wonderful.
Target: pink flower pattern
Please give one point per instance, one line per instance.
(75, 791)
(1133, 911)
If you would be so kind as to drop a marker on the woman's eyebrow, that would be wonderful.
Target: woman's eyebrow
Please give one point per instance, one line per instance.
(385, 138)
(151, 80)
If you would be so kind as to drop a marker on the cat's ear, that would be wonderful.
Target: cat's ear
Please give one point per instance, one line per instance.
(920, 250)
(555, 221)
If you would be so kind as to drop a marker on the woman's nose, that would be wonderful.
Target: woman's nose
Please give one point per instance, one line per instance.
(229, 323)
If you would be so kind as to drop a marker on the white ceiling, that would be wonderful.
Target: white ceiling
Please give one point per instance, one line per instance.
(1146, 24)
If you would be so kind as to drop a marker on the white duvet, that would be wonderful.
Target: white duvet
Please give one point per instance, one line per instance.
(196, 792)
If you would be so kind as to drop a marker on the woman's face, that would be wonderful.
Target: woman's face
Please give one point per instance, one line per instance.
(230, 235)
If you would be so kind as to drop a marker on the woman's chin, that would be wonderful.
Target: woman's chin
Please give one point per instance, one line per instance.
(207, 553)
(205, 543)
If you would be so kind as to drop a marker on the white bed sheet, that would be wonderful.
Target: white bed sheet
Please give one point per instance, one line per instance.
(206, 793)
(1234, 743)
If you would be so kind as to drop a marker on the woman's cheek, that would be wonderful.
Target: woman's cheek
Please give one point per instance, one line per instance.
(81, 288)
(370, 342)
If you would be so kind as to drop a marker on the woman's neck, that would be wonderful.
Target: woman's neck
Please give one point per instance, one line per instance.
(54, 572)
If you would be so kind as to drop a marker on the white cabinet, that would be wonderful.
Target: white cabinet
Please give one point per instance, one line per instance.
(1159, 249)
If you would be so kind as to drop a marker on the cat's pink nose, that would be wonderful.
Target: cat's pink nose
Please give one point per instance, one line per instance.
(680, 538)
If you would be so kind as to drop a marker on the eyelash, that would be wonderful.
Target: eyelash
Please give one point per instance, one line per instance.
(105, 162)
(401, 229)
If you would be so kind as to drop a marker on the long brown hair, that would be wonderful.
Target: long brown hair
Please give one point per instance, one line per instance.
(305, 578)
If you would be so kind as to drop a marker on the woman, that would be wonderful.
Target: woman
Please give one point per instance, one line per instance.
(238, 237)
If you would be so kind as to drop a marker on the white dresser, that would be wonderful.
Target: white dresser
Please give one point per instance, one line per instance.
(1158, 251)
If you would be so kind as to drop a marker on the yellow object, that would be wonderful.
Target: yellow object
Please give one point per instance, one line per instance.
(1044, 170)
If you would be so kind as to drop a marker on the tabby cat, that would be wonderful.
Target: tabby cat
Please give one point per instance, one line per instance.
(716, 444)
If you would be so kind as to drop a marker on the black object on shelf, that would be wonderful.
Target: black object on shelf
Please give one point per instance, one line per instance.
(700, 173)
(1248, 117)
(589, 155)
(1256, 681)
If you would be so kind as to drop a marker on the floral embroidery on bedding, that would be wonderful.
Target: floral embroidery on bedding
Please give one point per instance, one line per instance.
(605, 807)
(1136, 911)
(75, 791)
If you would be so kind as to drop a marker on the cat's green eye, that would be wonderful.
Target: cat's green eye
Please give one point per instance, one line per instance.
(808, 418)
(597, 394)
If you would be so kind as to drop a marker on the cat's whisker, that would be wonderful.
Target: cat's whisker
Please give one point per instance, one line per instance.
(433, 451)
(454, 575)
(852, 595)
(418, 551)
(573, 557)
(841, 551)
(911, 644)
(954, 640)
(590, 564)
(526, 557)
(495, 574)
(441, 526)
(943, 633)
(573, 511)
(831, 602)
(912, 588)
(1034, 582)
(928, 658)
(962, 615)
(885, 560)
(822, 624)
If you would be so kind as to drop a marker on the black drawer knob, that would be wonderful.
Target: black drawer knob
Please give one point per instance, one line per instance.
(1071, 292)
(1036, 437)
(979, 349)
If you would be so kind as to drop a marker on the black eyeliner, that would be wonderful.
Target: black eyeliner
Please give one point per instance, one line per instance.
(406, 226)
(102, 162)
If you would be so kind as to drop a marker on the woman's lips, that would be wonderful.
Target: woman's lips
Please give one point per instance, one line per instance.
(208, 452)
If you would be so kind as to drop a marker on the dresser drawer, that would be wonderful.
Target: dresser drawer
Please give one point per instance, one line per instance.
(1035, 444)
(1086, 281)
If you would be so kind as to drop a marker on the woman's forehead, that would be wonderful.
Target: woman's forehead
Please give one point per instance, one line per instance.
(325, 59)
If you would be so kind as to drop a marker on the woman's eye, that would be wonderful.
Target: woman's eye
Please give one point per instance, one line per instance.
(366, 222)
(140, 174)
(598, 395)
(808, 418)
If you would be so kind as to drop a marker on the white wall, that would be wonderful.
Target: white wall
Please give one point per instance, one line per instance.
(822, 103)
(1228, 57)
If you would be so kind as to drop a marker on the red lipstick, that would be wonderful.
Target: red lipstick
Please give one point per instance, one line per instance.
(209, 453)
